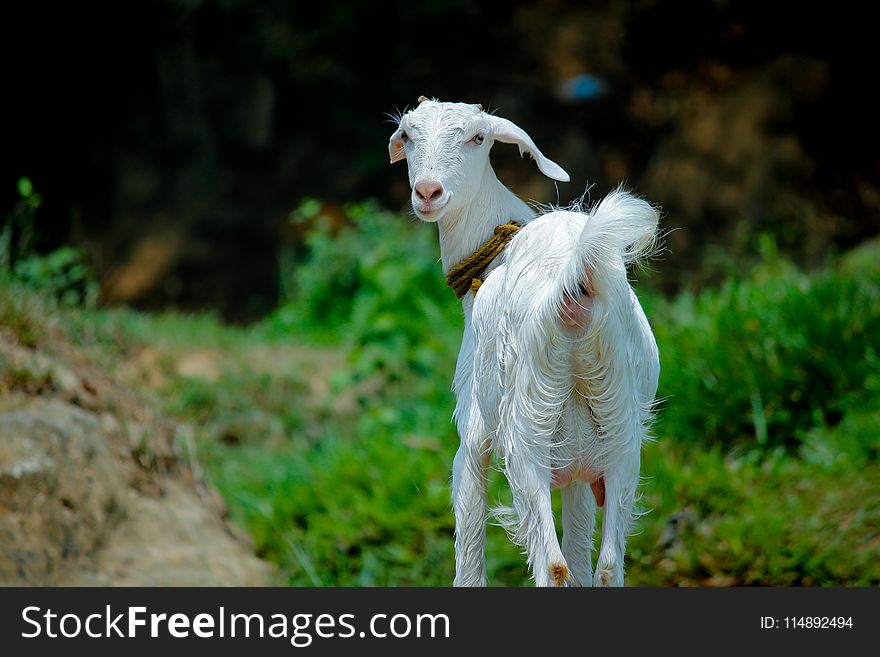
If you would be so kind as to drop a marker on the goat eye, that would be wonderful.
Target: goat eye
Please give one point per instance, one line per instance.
(404, 136)
(478, 139)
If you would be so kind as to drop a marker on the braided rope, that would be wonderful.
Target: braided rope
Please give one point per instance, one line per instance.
(468, 274)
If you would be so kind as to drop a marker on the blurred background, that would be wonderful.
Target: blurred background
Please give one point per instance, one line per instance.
(208, 266)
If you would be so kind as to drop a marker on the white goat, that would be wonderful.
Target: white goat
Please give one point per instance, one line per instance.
(558, 367)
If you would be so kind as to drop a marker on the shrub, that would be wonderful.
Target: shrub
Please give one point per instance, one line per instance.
(62, 274)
(378, 287)
(769, 355)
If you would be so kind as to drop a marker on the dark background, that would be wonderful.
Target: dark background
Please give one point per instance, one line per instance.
(172, 139)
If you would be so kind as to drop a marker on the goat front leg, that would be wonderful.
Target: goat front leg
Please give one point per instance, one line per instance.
(578, 526)
(530, 484)
(621, 481)
(469, 483)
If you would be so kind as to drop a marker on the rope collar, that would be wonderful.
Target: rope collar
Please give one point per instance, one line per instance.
(468, 274)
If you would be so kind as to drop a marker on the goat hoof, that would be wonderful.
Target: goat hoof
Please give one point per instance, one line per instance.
(608, 575)
(559, 574)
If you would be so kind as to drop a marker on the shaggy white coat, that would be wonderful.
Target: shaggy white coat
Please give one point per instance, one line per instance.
(558, 366)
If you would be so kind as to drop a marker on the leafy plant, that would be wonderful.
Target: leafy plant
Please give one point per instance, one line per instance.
(376, 284)
(63, 273)
(768, 356)
(17, 234)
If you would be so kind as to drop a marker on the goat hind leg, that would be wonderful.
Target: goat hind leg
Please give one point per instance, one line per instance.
(530, 484)
(620, 492)
(578, 526)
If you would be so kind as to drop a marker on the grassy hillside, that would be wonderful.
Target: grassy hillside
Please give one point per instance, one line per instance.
(327, 426)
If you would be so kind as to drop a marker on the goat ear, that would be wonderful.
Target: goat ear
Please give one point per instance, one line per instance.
(509, 133)
(395, 146)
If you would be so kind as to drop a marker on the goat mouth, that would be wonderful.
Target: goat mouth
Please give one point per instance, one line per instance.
(430, 212)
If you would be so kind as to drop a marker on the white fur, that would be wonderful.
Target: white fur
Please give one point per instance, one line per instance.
(557, 383)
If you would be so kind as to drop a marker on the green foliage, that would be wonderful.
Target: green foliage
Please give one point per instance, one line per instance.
(17, 233)
(367, 504)
(62, 274)
(358, 511)
(376, 286)
(240, 405)
(739, 519)
(852, 444)
(768, 356)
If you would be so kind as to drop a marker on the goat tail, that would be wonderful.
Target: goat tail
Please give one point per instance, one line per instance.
(620, 229)
(588, 250)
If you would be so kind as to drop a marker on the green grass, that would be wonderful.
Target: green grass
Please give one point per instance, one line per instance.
(766, 358)
(376, 512)
(20, 310)
(728, 519)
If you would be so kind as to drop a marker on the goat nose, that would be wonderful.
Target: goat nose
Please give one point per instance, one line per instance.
(429, 190)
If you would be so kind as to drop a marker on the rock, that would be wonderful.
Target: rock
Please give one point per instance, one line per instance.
(172, 540)
(60, 491)
(70, 514)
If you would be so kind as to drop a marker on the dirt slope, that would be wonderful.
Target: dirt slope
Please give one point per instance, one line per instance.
(96, 486)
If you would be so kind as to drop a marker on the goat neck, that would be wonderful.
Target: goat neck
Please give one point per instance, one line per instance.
(463, 230)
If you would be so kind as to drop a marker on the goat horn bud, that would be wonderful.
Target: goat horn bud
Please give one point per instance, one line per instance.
(422, 99)
(480, 106)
